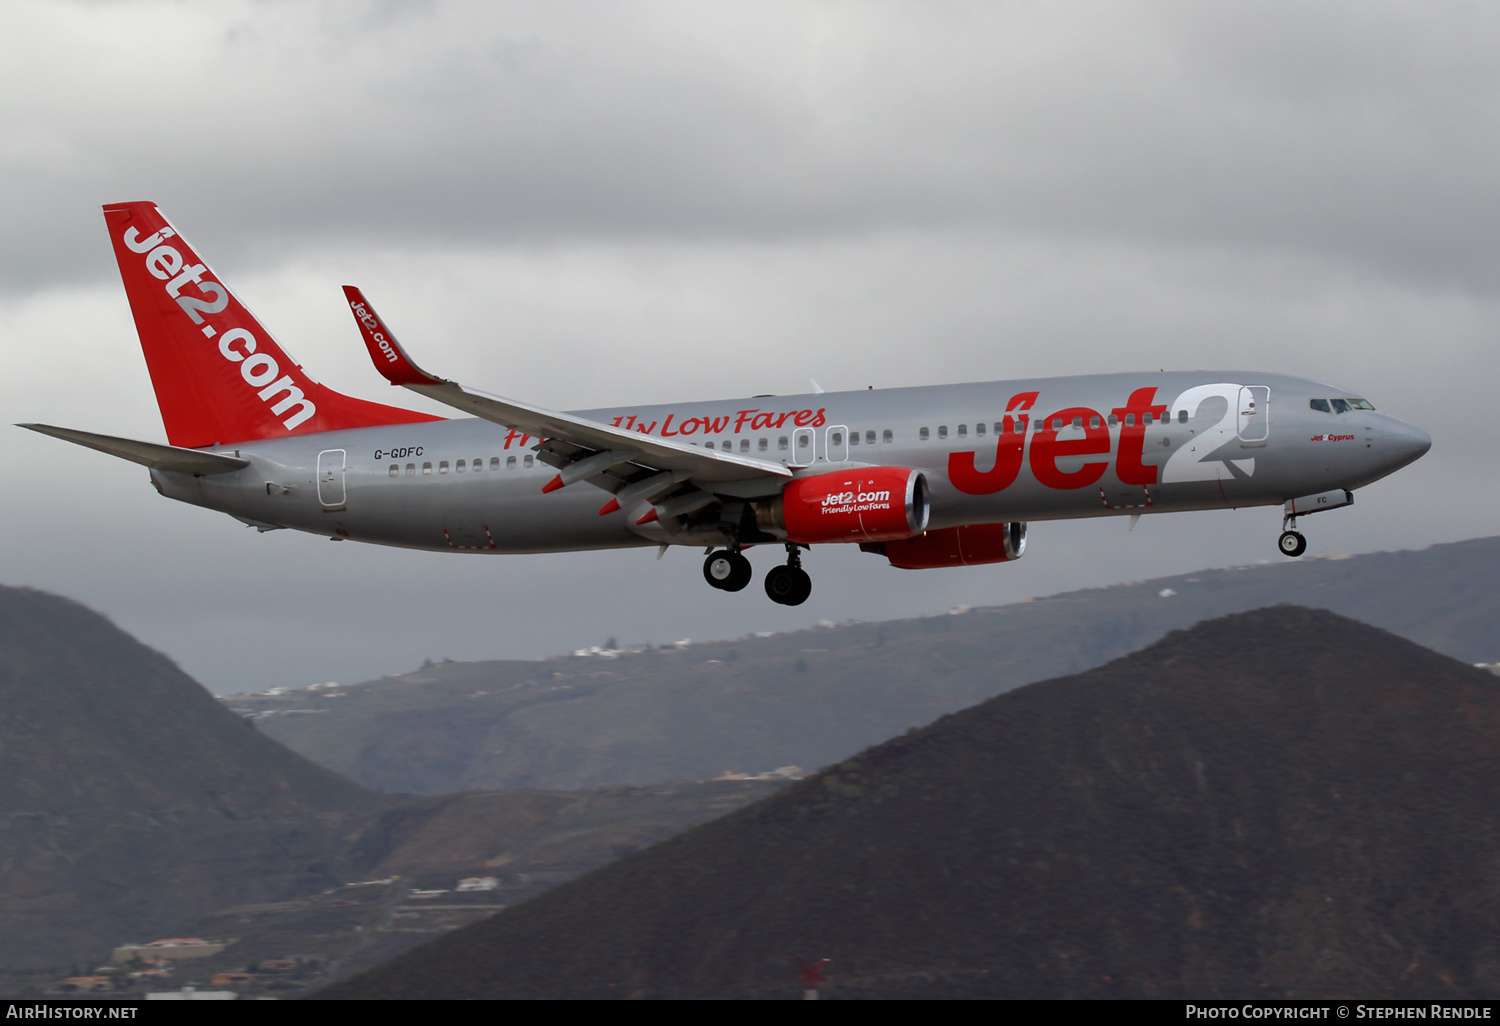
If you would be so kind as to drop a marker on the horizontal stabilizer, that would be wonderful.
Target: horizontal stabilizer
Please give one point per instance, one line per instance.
(147, 454)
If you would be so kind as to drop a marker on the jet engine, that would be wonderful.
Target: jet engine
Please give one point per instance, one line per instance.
(867, 504)
(955, 546)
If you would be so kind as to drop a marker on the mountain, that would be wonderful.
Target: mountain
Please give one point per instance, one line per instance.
(131, 799)
(1281, 803)
(810, 698)
(411, 858)
(134, 805)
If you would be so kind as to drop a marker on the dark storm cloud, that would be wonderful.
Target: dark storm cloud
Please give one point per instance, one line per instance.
(1361, 134)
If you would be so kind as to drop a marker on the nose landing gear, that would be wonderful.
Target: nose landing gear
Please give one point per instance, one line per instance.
(727, 570)
(789, 585)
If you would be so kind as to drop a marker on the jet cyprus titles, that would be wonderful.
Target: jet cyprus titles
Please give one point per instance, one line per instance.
(926, 476)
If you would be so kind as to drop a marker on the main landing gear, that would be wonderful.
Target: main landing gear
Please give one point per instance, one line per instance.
(789, 584)
(1291, 543)
(728, 570)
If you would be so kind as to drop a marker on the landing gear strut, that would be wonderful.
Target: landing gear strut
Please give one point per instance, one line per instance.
(789, 585)
(727, 570)
(1291, 543)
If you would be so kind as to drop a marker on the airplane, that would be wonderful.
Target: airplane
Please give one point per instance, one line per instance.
(926, 476)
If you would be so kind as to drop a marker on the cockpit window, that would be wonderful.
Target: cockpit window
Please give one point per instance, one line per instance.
(1340, 405)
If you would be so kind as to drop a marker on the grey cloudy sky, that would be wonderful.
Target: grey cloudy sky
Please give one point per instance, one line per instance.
(585, 204)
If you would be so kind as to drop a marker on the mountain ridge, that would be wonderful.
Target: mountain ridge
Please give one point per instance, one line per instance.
(1276, 804)
(811, 697)
(130, 798)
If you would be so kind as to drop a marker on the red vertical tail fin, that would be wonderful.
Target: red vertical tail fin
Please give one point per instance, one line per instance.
(219, 374)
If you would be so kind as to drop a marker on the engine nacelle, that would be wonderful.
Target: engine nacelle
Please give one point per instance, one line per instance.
(865, 504)
(956, 546)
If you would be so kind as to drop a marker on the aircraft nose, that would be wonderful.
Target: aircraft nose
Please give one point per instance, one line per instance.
(1403, 443)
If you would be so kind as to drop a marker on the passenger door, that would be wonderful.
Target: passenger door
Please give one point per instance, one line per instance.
(1254, 414)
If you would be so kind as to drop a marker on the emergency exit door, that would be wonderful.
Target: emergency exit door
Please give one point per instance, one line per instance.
(331, 478)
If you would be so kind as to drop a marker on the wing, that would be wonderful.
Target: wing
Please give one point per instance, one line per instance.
(147, 454)
(678, 478)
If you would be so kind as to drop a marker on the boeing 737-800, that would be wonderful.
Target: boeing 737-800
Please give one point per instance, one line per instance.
(926, 477)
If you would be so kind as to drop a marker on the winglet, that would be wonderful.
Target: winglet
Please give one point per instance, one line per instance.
(390, 359)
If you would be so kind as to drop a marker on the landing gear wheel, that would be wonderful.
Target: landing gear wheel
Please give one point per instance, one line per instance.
(788, 585)
(1291, 543)
(727, 571)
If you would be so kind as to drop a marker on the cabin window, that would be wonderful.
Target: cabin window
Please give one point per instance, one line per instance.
(1130, 420)
(854, 438)
(726, 445)
(395, 470)
(494, 462)
(708, 445)
(1113, 420)
(922, 434)
(804, 441)
(1093, 422)
(460, 466)
(999, 427)
(427, 468)
(887, 436)
(963, 431)
(837, 438)
(510, 463)
(1182, 416)
(479, 464)
(763, 444)
(530, 460)
(781, 443)
(442, 466)
(979, 430)
(744, 445)
(943, 431)
(411, 470)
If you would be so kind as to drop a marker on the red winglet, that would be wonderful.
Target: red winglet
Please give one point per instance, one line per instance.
(553, 485)
(609, 507)
(650, 516)
(390, 359)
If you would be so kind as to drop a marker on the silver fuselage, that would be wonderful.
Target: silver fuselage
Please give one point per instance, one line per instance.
(1219, 440)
